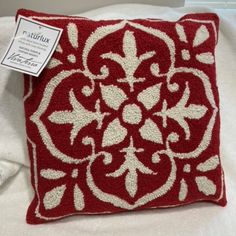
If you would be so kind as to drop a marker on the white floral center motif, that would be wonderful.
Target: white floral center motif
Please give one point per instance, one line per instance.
(132, 114)
(114, 97)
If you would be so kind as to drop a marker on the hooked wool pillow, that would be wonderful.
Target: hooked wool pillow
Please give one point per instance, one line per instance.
(124, 117)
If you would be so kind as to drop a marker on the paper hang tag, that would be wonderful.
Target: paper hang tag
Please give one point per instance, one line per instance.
(31, 46)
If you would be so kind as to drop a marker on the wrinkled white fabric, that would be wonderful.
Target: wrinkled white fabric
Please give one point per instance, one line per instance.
(7, 170)
(12, 127)
(197, 219)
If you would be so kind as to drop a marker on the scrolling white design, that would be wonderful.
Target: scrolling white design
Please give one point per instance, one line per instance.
(180, 112)
(114, 97)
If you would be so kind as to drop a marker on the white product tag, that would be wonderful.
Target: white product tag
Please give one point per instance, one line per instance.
(31, 46)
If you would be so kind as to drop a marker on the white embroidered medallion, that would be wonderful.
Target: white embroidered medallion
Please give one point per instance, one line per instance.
(143, 109)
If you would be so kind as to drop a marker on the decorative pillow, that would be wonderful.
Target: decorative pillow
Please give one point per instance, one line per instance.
(124, 117)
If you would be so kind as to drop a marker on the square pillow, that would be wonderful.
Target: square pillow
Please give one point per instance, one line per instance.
(124, 117)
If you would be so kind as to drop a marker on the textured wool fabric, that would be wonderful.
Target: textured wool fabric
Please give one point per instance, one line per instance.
(124, 117)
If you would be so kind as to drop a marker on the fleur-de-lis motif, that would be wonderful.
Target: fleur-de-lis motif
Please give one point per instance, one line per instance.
(132, 165)
(130, 62)
(180, 112)
(79, 116)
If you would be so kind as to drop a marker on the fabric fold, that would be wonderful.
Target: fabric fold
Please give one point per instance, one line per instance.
(7, 170)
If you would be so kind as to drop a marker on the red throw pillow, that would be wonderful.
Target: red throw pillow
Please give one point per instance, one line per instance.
(124, 117)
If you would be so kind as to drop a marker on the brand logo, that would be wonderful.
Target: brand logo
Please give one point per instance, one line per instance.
(37, 36)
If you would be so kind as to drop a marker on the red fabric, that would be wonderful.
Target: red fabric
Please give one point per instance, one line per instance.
(170, 155)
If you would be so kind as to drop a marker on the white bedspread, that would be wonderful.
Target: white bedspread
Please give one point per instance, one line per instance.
(198, 219)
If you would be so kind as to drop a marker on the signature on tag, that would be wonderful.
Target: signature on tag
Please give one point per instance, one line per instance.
(23, 60)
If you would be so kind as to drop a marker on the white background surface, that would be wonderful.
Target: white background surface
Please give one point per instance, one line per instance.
(9, 7)
(223, 4)
(201, 219)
